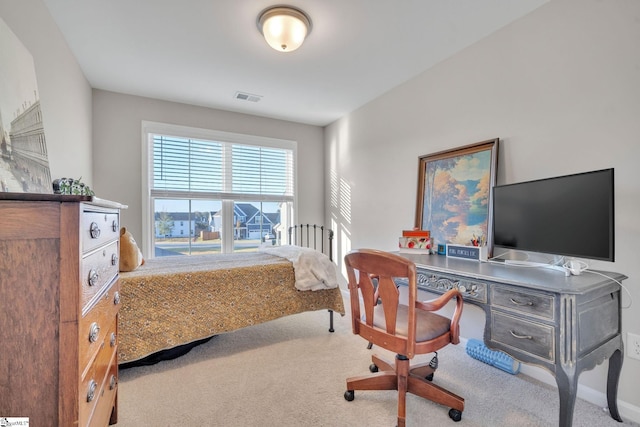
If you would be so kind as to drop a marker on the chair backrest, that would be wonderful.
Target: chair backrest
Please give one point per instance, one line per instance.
(371, 276)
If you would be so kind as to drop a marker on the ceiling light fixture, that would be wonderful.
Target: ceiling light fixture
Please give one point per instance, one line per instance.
(284, 27)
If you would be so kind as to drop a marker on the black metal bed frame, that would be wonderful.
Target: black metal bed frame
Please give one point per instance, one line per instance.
(313, 236)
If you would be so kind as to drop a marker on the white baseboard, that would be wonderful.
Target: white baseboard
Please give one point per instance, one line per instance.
(628, 411)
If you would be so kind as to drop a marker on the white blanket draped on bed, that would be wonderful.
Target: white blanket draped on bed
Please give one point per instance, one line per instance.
(313, 270)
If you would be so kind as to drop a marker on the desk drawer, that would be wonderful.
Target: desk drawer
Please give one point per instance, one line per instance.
(532, 303)
(530, 337)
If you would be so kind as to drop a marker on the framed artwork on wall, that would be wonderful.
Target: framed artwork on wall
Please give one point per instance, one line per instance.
(24, 165)
(454, 194)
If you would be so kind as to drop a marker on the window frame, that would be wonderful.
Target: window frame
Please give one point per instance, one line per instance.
(156, 128)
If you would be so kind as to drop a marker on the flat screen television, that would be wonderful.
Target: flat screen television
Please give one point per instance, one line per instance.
(571, 215)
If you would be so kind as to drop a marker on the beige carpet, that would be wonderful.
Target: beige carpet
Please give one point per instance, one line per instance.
(291, 372)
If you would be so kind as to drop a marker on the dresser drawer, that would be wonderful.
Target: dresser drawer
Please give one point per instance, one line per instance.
(98, 228)
(98, 270)
(98, 327)
(95, 382)
(532, 303)
(106, 403)
(524, 335)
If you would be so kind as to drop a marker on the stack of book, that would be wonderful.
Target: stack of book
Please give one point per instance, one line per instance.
(415, 242)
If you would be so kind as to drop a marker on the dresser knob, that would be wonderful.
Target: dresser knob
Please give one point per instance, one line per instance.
(114, 226)
(93, 277)
(116, 298)
(94, 230)
(114, 259)
(94, 331)
(91, 391)
(112, 341)
(112, 382)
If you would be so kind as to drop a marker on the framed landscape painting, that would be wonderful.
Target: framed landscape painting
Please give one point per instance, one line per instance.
(454, 194)
(24, 165)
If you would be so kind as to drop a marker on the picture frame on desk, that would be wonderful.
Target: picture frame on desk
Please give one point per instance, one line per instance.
(454, 199)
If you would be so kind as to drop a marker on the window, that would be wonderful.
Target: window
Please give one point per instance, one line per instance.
(214, 192)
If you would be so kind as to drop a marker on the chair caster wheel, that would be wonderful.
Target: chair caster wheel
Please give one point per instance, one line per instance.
(349, 395)
(429, 377)
(454, 414)
(373, 368)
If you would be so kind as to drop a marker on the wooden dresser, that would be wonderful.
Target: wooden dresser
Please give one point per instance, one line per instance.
(59, 301)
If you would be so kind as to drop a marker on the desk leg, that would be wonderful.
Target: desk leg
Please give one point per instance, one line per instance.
(615, 366)
(567, 389)
(567, 381)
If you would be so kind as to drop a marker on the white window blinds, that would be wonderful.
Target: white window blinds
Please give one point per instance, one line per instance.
(222, 170)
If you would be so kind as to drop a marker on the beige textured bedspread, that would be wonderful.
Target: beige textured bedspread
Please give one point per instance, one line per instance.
(170, 301)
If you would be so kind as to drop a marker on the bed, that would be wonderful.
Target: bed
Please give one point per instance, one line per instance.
(171, 304)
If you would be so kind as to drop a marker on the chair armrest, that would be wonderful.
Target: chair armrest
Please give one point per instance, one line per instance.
(438, 303)
(441, 301)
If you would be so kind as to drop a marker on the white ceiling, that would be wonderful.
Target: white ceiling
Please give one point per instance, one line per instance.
(201, 52)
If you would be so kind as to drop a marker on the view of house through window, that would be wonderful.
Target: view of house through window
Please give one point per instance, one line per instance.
(216, 196)
(190, 227)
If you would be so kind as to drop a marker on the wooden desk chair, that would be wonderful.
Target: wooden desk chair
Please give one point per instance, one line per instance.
(406, 330)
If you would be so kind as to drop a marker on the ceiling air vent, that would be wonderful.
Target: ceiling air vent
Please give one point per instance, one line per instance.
(243, 96)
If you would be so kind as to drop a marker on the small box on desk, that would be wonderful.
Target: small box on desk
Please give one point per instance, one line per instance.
(477, 253)
(415, 242)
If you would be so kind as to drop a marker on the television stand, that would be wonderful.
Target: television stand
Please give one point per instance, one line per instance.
(566, 324)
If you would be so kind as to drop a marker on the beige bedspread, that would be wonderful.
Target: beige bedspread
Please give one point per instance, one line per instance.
(170, 301)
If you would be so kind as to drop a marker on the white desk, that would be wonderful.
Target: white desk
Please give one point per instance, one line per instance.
(538, 316)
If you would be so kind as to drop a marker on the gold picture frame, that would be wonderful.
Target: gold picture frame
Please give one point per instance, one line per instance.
(454, 199)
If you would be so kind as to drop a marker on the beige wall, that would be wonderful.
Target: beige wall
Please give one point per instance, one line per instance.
(560, 87)
(65, 94)
(117, 137)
